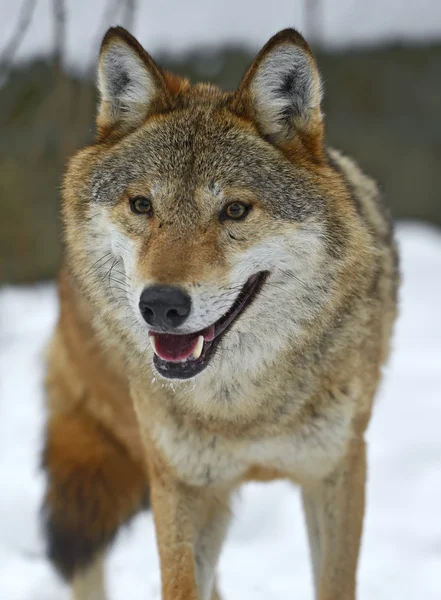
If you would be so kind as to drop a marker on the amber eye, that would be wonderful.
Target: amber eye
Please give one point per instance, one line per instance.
(141, 206)
(235, 210)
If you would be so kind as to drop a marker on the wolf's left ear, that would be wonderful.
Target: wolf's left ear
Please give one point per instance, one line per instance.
(130, 84)
(281, 91)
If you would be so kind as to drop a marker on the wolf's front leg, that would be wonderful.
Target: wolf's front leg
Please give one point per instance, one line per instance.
(88, 583)
(190, 528)
(334, 511)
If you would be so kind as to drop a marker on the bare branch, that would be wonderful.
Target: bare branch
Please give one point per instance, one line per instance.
(11, 48)
(314, 18)
(109, 16)
(128, 15)
(59, 32)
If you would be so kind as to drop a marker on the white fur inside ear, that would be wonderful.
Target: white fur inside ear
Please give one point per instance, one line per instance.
(124, 81)
(285, 87)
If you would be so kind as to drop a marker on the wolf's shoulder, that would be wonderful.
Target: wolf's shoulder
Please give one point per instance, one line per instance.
(366, 196)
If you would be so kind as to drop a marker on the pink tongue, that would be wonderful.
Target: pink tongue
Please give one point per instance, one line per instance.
(175, 348)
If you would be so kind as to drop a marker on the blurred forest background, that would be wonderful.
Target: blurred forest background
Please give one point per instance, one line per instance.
(382, 104)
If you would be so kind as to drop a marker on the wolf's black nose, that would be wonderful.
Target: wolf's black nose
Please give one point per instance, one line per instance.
(165, 307)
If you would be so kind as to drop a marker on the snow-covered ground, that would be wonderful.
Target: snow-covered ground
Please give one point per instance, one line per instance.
(265, 556)
(176, 24)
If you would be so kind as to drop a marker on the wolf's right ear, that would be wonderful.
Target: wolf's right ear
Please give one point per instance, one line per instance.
(130, 84)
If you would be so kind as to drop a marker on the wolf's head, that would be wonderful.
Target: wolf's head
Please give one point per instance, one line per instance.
(208, 228)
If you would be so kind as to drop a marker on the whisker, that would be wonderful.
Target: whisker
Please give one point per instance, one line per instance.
(291, 275)
(122, 283)
(107, 254)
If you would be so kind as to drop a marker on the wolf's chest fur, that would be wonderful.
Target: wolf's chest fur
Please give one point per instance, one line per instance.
(307, 446)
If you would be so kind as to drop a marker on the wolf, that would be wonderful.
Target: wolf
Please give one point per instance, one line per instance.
(227, 297)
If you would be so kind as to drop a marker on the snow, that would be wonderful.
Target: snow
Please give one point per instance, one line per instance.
(266, 553)
(175, 25)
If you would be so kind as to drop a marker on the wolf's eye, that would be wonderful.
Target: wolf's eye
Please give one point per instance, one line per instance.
(235, 210)
(141, 206)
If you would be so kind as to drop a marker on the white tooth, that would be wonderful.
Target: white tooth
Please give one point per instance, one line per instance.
(153, 343)
(199, 346)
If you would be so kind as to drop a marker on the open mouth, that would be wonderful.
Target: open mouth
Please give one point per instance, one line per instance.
(184, 356)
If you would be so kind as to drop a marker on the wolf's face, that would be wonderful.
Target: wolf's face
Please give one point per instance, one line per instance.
(203, 224)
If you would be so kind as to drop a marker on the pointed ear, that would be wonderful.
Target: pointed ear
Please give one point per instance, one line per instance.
(130, 84)
(281, 91)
